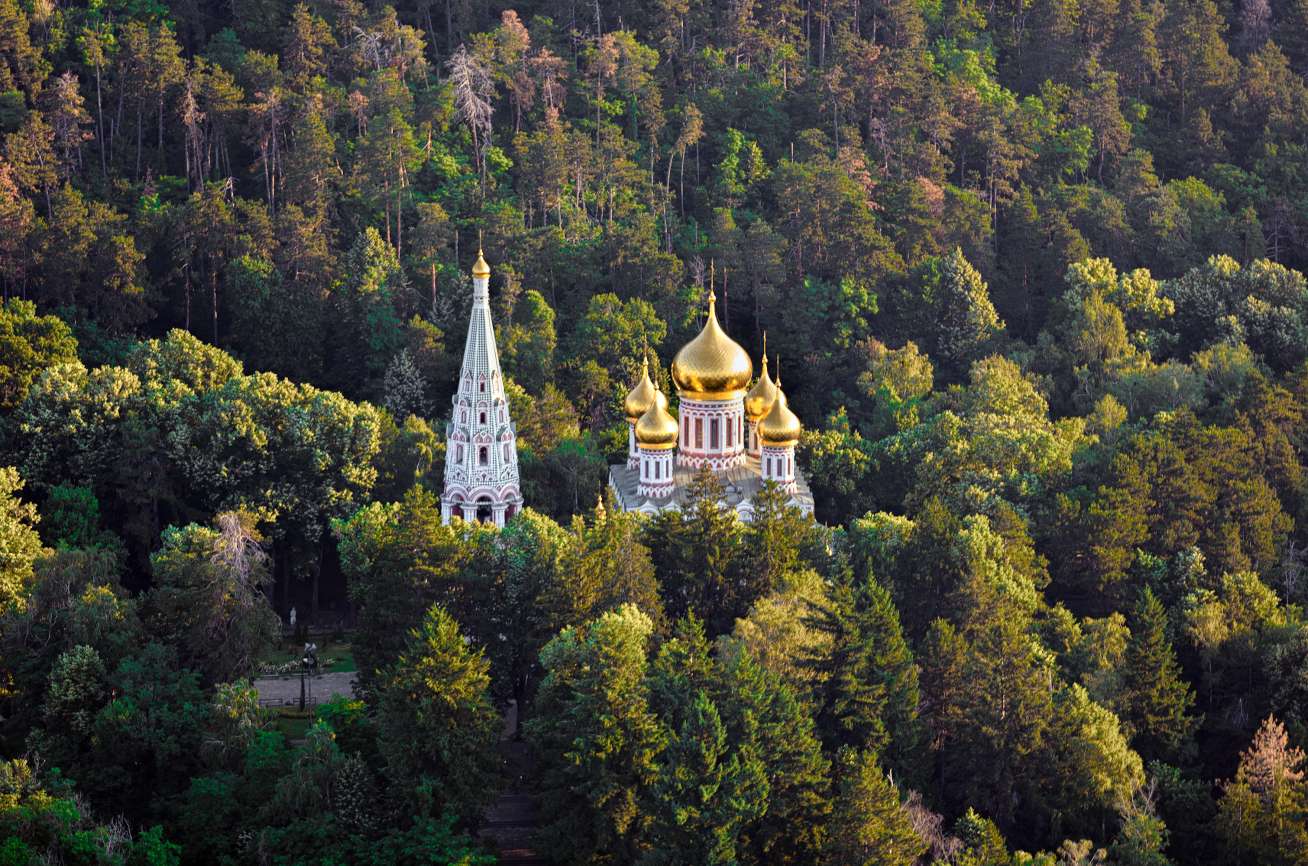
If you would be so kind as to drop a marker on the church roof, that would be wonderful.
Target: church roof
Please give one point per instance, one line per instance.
(740, 484)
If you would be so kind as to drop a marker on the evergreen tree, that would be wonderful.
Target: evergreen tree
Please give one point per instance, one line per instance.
(705, 792)
(869, 699)
(968, 324)
(436, 726)
(1263, 813)
(869, 825)
(597, 739)
(1157, 702)
(697, 556)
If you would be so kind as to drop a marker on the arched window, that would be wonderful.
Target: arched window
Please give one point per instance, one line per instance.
(699, 432)
(458, 453)
(483, 455)
(463, 416)
(506, 452)
(482, 417)
(713, 434)
(731, 433)
(481, 386)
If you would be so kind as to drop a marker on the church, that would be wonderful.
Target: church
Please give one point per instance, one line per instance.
(741, 430)
(745, 435)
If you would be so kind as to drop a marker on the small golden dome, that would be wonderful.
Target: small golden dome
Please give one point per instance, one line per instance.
(780, 428)
(641, 397)
(480, 269)
(657, 429)
(761, 397)
(712, 366)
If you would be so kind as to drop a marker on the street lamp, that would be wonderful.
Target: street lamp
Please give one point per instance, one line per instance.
(308, 663)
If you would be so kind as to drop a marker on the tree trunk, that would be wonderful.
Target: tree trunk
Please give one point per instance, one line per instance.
(99, 123)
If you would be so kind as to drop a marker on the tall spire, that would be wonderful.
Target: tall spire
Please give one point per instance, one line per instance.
(481, 458)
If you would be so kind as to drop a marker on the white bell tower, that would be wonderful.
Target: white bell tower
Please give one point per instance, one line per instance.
(481, 454)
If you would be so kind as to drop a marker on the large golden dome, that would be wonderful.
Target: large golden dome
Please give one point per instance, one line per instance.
(780, 428)
(641, 397)
(657, 429)
(761, 397)
(712, 366)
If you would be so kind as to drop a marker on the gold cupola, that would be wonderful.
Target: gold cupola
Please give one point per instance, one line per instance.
(780, 428)
(480, 270)
(657, 429)
(764, 393)
(712, 366)
(641, 397)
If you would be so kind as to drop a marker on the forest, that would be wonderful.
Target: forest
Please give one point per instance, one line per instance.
(1033, 271)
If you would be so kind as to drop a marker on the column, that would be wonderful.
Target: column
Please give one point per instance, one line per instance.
(445, 511)
(499, 515)
(470, 512)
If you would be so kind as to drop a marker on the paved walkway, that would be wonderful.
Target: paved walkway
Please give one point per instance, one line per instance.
(285, 691)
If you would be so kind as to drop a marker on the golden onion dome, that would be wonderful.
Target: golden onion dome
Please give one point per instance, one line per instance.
(779, 428)
(761, 397)
(480, 269)
(641, 397)
(712, 366)
(657, 429)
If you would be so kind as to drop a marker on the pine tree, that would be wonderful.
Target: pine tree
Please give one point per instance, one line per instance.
(707, 791)
(1263, 813)
(435, 721)
(757, 708)
(404, 387)
(597, 739)
(1157, 700)
(869, 826)
(968, 323)
(696, 555)
(869, 697)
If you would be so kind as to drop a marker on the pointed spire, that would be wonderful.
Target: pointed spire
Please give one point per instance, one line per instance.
(480, 270)
(778, 372)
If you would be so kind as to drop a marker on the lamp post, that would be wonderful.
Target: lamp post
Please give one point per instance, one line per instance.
(308, 662)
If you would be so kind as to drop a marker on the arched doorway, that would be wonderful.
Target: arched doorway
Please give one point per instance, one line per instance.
(485, 514)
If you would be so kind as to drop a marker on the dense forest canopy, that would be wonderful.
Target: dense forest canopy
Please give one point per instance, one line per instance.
(1032, 272)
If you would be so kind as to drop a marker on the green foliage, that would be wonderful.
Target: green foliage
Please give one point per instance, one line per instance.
(1157, 700)
(1092, 216)
(870, 825)
(436, 727)
(29, 344)
(208, 597)
(19, 543)
(597, 737)
(1263, 809)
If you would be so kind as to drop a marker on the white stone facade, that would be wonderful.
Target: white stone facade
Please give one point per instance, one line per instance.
(481, 456)
(712, 433)
(656, 472)
(777, 463)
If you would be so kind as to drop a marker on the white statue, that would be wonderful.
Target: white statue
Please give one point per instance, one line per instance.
(292, 617)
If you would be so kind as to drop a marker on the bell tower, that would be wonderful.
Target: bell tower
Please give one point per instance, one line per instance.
(481, 454)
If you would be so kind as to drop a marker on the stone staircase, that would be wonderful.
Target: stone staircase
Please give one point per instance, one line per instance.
(510, 822)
